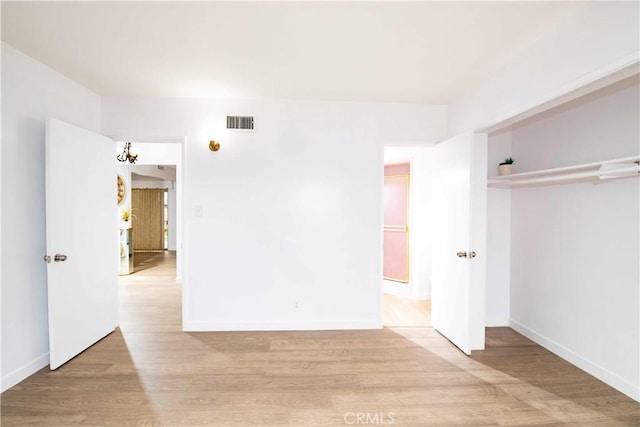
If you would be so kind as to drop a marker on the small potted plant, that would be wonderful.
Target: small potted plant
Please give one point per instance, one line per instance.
(506, 167)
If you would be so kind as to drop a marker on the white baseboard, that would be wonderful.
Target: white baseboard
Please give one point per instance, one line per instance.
(497, 323)
(189, 326)
(600, 372)
(17, 375)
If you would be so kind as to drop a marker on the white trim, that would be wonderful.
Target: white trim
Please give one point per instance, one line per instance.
(600, 372)
(612, 73)
(587, 172)
(25, 371)
(292, 325)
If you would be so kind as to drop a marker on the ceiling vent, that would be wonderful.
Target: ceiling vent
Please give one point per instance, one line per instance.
(240, 122)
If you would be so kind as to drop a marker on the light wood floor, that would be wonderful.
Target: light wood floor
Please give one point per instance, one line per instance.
(150, 373)
(405, 312)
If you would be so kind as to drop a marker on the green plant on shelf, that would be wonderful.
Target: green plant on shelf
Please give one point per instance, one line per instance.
(508, 161)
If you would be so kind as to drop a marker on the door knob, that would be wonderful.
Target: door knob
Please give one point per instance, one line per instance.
(462, 254)
(472, 254)
(60, 258)
(47, 258)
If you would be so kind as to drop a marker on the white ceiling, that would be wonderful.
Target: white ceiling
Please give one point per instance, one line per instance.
(152, 173)
(418, 52)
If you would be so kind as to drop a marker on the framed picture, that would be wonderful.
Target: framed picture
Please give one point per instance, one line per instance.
(122, 190)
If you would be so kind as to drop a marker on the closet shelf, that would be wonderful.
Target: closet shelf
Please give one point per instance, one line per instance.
(624, 167)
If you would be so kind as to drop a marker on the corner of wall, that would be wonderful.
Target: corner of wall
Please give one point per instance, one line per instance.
(23, 372)
(598, 371)
(498, 235)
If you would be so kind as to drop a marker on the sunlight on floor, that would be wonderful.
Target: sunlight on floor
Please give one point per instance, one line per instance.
(406, 312)
(542, 400)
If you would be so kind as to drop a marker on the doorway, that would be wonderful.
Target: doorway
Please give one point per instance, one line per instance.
(406, 312)
(407, 227)
(155, 206)
(395, 265)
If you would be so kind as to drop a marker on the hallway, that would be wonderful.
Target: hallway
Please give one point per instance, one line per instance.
(401, 312)
(150, 298)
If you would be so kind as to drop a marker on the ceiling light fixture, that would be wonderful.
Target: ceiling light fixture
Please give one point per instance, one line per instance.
(126, 155)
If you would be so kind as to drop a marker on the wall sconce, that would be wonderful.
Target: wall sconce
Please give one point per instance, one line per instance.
(126, 155)
(213, 145)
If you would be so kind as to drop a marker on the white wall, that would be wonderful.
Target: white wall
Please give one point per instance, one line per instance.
(31, 92)
(498, 234)
(420, 220)
(586, 44)
(151, 154)
(574, 260)
(291, 212)
(172, 200)
(150, 172)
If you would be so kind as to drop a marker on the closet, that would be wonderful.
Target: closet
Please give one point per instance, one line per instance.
(563, 252)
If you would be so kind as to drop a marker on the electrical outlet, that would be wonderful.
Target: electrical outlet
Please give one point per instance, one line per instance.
(296, 305)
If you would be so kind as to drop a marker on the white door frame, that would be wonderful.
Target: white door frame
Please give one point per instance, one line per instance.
(406, 153)
(150, 159)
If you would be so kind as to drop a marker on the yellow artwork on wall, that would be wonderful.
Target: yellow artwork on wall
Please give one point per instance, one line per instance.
(121, 190)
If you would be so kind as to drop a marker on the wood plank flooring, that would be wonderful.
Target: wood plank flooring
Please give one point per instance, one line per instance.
(148, 372)
(405, 312)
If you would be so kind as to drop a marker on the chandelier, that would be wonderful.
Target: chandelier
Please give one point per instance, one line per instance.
(126, 155)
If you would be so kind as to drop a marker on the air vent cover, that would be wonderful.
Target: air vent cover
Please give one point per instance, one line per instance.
(240, 122)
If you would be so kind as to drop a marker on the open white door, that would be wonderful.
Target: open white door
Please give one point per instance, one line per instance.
(82, 239)
(459, 250)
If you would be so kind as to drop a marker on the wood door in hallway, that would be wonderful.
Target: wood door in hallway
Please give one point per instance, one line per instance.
(147, 205)
(396, 223)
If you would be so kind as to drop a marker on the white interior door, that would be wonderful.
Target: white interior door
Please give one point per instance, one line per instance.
(82, 227)
(459, 252)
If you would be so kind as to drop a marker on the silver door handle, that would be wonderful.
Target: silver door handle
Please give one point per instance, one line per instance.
(47, 258)
(60, 258)
(462, 254)
(472, 254)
